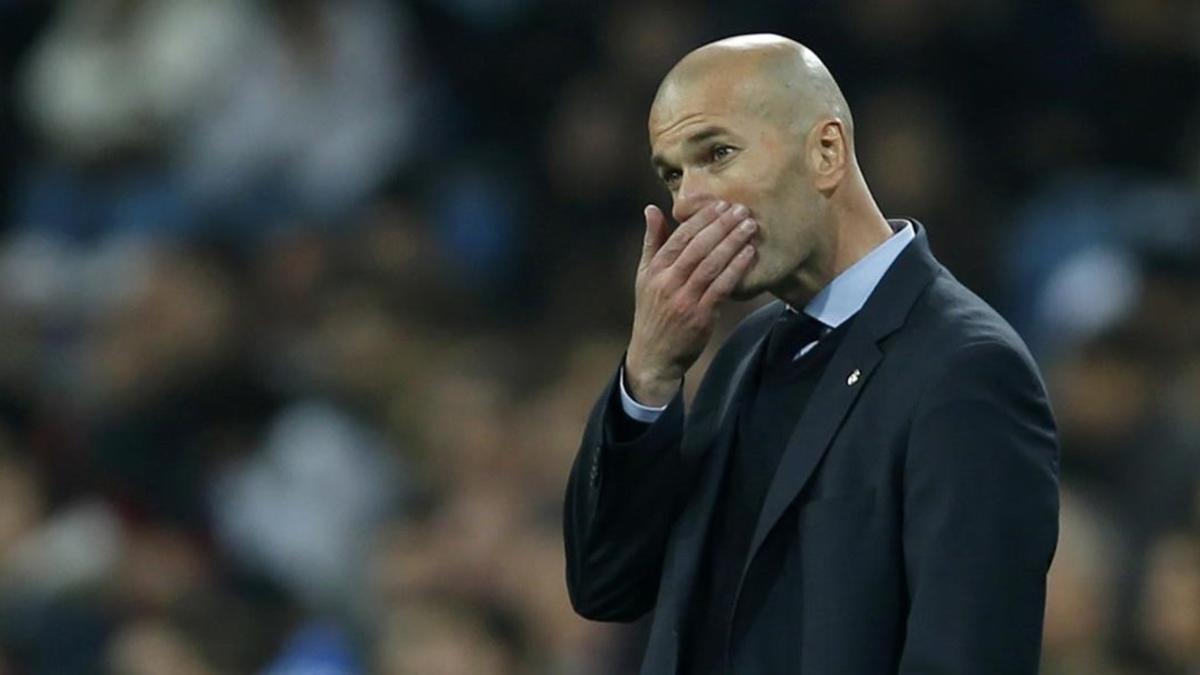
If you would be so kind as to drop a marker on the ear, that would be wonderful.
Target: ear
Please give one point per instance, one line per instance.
(828, 153)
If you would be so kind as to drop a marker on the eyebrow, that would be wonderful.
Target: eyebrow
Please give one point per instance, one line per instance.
(700, 136)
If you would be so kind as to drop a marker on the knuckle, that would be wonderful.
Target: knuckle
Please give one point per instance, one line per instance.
(691, 256)
(709, 269)
(646, 282)
(660, 296)
(652, 288)
(670, 278)
(684, 256)
(681, 308)
(704, 243)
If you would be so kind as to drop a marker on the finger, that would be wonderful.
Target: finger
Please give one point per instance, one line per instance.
(727, 280)
(656, 233)
(683, 234)
(705, 241)
(718, 259)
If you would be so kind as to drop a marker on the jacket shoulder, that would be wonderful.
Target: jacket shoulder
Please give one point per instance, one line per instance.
(956, 350)
(949, 320)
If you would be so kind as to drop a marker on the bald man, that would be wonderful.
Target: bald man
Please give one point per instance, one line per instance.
(867, 480)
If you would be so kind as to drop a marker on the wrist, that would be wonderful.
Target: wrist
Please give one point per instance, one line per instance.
(649, 387)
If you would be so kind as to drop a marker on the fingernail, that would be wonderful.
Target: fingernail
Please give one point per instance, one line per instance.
(721, 206)
(740, 210)
(747, 226)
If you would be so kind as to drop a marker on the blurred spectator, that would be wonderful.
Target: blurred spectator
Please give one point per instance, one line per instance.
(1081, 602)
(317, 110)
(1169, 614)
(302, 509)
(106, 87)
(152, 648)
(316, 648)
(447, 638)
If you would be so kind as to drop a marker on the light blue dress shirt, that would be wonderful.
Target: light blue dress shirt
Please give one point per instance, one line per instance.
(832, 306)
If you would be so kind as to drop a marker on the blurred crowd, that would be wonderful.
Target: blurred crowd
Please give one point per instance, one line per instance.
(305, 302)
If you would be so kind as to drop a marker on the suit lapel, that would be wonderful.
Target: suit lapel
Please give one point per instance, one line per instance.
(836, 392)
(708, 443)
(848, 372)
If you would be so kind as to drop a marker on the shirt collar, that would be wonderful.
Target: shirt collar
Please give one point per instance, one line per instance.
(848, 292)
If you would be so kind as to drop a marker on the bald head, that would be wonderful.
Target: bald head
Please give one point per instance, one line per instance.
(780, 79)
(758, 121)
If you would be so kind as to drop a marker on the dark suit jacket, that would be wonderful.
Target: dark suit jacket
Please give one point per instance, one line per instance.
(909, 526)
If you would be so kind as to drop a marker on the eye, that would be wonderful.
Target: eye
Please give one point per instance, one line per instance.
(671, 177)
(720, 152)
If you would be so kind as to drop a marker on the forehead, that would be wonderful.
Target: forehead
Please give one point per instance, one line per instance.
(724, 98)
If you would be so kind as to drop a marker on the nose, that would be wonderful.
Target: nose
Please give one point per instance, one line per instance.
(694, 193)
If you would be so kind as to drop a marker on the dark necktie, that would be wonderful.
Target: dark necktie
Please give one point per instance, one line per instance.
(792, 331)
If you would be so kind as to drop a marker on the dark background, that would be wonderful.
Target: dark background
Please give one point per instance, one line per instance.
(303, 304)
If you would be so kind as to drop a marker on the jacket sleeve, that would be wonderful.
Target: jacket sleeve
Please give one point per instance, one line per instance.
(980, 516)
(620, 504)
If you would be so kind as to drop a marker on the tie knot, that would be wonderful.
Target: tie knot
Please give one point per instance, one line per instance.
(789, 335)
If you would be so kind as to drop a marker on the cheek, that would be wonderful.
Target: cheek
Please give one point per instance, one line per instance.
(779, 196)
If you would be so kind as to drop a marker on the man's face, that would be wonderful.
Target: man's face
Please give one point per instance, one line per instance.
(720, 138)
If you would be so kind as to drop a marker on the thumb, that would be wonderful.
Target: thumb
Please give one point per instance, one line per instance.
(656, 233)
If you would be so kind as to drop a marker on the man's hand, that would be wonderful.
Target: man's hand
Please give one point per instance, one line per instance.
(681, 279)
